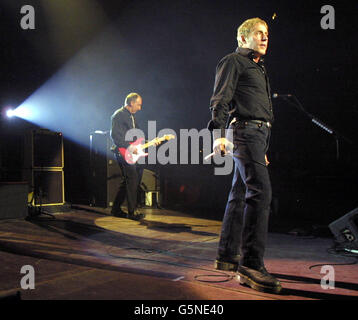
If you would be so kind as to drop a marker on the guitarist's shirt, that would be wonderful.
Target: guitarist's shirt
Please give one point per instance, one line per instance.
(121, 121)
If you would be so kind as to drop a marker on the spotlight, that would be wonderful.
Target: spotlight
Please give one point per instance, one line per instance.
(10, 113)
(22, 111)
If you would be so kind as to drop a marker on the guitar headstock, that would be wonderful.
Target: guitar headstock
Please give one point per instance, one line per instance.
(168, 137)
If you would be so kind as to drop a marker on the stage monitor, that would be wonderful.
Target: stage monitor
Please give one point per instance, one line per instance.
(345, 229)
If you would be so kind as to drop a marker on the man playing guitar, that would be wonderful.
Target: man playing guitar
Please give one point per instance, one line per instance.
(123, 120)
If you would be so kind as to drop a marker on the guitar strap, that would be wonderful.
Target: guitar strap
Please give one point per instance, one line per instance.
(133, 122)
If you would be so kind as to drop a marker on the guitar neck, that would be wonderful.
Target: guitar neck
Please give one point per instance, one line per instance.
(151, 143)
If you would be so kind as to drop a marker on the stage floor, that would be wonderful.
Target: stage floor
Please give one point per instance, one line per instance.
(87, 254)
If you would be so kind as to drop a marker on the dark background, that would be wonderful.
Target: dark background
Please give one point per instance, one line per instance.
(167, 51)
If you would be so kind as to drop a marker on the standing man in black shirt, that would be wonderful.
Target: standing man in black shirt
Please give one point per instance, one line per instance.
(123, 120)
(242, 102)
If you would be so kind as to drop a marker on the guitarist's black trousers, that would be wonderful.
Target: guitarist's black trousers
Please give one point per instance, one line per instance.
(245, 223)
(128, 189)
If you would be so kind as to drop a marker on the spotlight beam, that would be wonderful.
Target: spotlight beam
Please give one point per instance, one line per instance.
(10, 113)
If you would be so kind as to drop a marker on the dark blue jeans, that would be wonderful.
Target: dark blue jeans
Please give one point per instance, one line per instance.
(245, 223)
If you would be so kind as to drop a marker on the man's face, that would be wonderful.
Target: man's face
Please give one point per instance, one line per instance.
(136, 105)
(258, 39)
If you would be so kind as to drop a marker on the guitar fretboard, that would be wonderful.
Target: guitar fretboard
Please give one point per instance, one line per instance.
(151, 143)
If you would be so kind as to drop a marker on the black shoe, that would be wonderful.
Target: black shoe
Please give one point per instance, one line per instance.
(226, 263)
(259, 279)
(119, 213)
(136, 215)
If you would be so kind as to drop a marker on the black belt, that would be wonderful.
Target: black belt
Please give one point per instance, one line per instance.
(259, 123)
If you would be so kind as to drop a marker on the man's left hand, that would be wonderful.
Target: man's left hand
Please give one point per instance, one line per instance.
(222, 146)
(266, 160)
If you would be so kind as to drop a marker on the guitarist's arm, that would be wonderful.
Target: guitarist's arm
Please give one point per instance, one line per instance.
(118, 133)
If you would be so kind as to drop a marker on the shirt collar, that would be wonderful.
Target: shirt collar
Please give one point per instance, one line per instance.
(127, 111)
(249, 53)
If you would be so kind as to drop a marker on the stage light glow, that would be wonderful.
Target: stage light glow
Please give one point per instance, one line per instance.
(23, 112)
(83, 94)
(10, 113)
(74, 100)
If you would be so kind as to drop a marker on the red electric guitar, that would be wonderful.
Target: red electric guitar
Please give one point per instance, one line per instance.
(131, 157)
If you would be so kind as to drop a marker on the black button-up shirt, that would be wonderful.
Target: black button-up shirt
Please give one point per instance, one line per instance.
(241, 90)
(122, 121)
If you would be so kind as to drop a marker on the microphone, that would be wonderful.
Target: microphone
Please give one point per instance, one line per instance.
(278, 95)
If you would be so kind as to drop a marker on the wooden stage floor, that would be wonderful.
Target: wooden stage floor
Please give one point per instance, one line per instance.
(87, 254)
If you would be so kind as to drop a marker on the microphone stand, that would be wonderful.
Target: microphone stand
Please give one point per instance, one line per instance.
(317, 122)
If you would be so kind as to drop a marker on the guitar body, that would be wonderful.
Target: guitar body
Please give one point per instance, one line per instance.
(132, 157)
(129, 156)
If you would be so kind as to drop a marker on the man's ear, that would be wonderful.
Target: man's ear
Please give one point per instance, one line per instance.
(242, 38)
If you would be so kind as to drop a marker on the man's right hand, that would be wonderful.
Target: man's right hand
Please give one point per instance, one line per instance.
(222, 146)
(133, 149)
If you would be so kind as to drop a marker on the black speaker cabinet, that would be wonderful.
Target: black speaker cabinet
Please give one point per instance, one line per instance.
(43, 149)
(106, 175)
(13, 200)
(345, 229)
(43, 167)
(48, 188)
(150, 181)
(105, 172)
